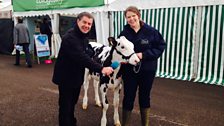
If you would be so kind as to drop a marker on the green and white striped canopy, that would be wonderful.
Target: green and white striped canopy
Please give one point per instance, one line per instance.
(195, 41)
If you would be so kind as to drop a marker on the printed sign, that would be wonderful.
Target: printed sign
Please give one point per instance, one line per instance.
(42, 46)
(33, 5)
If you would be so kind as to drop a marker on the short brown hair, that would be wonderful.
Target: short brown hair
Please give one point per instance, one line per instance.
(132, 9)
(20, 20)
(87, 14)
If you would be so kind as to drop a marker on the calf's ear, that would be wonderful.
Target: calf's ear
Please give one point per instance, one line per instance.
(112, 41)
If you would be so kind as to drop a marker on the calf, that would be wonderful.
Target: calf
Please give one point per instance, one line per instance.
(122, 50)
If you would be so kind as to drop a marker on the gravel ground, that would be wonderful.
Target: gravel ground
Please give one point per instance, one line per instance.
(28, 98)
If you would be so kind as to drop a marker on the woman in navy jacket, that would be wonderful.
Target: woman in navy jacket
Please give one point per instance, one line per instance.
(149, 46)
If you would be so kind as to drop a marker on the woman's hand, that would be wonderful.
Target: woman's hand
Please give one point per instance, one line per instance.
(139, 55)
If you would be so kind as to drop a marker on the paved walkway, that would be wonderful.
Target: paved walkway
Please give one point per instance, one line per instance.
(28, 98)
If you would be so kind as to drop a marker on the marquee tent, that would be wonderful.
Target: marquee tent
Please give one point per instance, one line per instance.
(68, 7)
(193, 30)
(194, 33)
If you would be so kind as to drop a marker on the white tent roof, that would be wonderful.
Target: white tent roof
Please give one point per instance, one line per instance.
(5, 10)
(120, 5)
(32, 13)
(5, 6)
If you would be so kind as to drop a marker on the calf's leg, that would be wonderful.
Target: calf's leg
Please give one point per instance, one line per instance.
(96, 91)
(103, 90)
(86, 87)
(116, 105)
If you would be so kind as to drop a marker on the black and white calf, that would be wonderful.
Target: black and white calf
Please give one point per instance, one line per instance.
(122, 50)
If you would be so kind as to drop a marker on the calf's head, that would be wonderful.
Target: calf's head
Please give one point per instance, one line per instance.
(123, 50)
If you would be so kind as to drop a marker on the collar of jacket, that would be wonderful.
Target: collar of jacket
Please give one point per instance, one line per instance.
(79, 33)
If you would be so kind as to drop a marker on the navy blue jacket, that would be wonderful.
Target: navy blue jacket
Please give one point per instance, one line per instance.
(148, 41)
(72, 59)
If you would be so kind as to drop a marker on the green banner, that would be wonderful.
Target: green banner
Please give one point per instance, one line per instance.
(34, 5)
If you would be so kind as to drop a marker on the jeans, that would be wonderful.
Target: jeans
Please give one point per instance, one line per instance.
(27, 54)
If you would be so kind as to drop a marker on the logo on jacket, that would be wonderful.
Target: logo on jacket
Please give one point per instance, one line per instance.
(144, 42)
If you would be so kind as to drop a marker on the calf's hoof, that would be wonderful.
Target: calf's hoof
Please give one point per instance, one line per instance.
(84, 107)
(98, 105)
(117, 124)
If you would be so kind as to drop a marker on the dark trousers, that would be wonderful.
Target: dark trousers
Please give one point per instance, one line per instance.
(49, 40)
(143, 82)
(68, 98)
(27, 54)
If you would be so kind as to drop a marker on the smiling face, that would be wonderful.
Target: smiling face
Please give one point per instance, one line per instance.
(132, 19)
(85, 24)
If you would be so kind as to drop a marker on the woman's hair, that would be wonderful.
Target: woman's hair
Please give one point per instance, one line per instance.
(132, 9)
(84, 14)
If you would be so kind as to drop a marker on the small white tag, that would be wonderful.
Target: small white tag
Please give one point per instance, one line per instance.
(19, 48)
